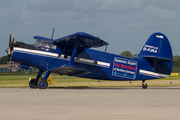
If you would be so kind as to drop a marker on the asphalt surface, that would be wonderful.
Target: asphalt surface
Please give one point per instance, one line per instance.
(90, 104)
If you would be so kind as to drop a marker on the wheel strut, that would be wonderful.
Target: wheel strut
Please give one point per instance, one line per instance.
(33, 83)
(42, 84)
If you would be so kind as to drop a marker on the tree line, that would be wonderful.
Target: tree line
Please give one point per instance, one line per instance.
(3, 60)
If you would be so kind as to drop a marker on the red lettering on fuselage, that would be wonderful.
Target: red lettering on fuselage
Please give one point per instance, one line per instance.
(117, 65)
(128, 67)
(124, 66)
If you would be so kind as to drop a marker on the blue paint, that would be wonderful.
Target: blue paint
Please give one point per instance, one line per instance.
(24, 67)
(154, 57)
(42, 84)
(47, 74)
(73, 55)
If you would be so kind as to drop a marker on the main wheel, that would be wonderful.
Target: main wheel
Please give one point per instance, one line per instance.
(42, 84)
(32, 84)
(144, 86)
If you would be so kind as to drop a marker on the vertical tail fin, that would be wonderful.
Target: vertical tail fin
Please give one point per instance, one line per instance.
(157, 52)
(157, 45)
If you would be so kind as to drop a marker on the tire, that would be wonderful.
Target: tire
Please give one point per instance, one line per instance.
(144, 86)
(42, 84)
(32, 84)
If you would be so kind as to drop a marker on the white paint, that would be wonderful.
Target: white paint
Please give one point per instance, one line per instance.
(55, 55)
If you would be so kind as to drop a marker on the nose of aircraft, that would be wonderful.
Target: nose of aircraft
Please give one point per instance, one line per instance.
(11, 46)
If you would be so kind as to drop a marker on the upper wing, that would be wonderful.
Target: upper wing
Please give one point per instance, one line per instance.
(84, 41)
(42, 38)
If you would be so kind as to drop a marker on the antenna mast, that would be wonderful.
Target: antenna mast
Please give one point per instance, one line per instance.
(52, 34)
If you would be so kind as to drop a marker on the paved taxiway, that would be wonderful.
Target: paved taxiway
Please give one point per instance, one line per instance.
(90, 104)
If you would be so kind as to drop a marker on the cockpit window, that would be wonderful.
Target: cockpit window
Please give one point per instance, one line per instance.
(37, 44)
(44, 45)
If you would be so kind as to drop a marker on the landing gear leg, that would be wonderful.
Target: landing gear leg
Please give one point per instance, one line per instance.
(33, 82)
(144, 85)
(42, 84)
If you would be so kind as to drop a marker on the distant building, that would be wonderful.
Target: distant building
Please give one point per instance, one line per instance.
(12, 66)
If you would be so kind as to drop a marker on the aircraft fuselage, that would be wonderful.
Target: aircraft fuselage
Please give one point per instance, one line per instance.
(101, 65)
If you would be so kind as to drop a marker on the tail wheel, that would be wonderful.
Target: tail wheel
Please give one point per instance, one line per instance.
(32, 83)
(144, 86)
(42, 84)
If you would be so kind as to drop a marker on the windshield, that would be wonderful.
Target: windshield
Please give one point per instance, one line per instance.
(44, 45)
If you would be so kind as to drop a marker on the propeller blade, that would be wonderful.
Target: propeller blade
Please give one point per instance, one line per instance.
(12, 44)
(10, 39)
(13, 39)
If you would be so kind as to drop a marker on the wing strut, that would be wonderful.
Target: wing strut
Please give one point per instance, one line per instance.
(74, 54)
(71, 69)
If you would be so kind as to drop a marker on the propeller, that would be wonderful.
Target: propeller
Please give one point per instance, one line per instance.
(11, 46)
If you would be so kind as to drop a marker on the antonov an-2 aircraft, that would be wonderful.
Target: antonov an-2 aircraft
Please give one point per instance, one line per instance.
(71, 55)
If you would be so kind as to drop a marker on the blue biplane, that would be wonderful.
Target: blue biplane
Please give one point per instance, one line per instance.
(71, 55)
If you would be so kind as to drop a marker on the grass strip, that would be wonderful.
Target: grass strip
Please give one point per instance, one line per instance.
(7, 81)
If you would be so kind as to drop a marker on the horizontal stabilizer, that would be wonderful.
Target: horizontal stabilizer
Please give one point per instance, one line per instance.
(158, 58)
(161, 65)
(70, 70)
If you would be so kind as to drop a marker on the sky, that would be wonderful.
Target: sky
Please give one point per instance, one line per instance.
(124, 24)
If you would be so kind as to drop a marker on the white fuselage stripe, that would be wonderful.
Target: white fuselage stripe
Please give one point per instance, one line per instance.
(153, 74)
(55, 55)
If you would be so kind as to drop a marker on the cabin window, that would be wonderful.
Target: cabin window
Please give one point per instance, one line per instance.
(95, 62)
(77, 59)
(44, 45)
(65, 56)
